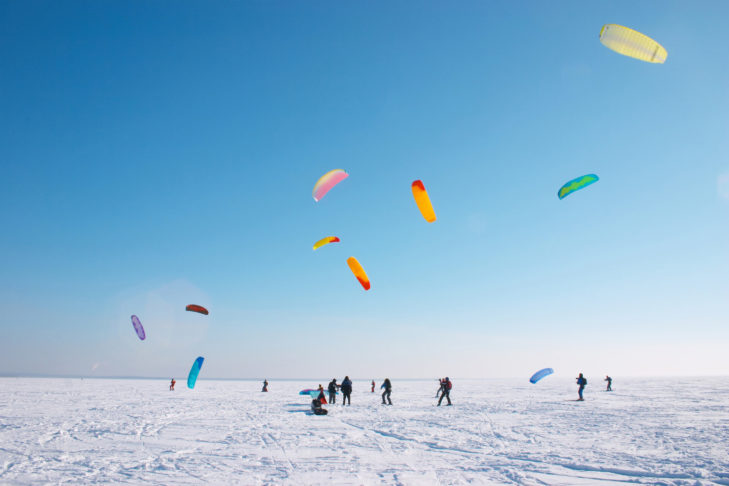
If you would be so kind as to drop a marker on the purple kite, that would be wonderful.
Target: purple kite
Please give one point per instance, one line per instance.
(138, 327)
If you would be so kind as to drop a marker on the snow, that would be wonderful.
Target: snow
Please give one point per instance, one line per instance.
(651, 431)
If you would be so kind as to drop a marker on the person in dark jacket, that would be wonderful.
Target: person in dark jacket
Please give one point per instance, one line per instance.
(581, 381)
(445, 391)
(332, 389)
(373, 386)
(386, 394)
(265, 385)
(346, 388)
(609, 383)
(172, 384)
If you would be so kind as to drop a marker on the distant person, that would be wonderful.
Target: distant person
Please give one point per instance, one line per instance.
(346, 388)
(388, 390)
(265, 385)
(321, 396)
(373, 386)
(333, 391)
(581, 381)
(172, 384)
(609, 383)
(446, 391)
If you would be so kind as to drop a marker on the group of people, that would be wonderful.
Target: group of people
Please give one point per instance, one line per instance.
(582, 383)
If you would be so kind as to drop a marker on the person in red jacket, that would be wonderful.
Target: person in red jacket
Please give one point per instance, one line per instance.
(172, 384)
(373, 386)
(446, 391)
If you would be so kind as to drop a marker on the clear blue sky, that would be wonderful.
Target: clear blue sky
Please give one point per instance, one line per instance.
(157, 154)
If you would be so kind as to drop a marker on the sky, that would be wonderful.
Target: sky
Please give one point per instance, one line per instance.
(156, 155)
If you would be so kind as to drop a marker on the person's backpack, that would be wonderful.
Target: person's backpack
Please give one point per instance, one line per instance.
(584, 381)
(449, 385)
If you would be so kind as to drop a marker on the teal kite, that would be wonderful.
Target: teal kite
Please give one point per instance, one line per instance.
(576, 185)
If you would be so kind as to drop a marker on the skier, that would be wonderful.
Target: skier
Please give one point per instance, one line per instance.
(265, 385)
(446, 391)
(388, 389)
(332, 388)
(172, 384)
(609, 383)
(346, 388)
(581, 381)
(373, 386)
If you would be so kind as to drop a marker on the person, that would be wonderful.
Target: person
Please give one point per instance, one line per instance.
(346, 388)
(388, 389)
(373, 386)
(333, 391)
(581, 381)
(446, 391)
(609, 383)
(265, 385)
(321, 396)
(316, 407)
(172, 384)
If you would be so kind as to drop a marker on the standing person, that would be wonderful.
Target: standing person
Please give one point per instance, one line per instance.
(346, 388)
(172, 384)
(581, 381)
(373, 386)
(388, 389)
(265, 385)
(446, 391)
(332, 388)
(610, 383)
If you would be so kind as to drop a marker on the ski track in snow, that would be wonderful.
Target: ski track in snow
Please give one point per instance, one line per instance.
(648, 431)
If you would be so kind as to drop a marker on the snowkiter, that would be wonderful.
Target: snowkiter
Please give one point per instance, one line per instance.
(446, 391)
(265, 385)
(609, 383)
(581, 381)
(373, 386)
(386, 394)
(346, 388)
(172, 384)
(332, 389)
(321, 396)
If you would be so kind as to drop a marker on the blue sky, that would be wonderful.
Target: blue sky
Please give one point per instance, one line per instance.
(156, 155)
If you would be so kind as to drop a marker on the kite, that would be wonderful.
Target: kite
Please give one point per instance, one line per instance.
(358, 272)
(325, 241)
(138, 327)
(194, 371)
(423, 201)
(632, 43)
(326, 182)
(196, 308)
(576, 185)
(541, 374)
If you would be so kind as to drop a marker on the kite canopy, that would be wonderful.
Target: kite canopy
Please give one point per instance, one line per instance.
(326, 182)
(325, 241)
(194, 371)
(196, 308)
(358, 272)
(632, 43)
(541, 374)
(576, 185)
(423, 201)
(138, 327)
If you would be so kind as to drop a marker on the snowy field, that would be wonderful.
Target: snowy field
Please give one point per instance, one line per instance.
(657, 431)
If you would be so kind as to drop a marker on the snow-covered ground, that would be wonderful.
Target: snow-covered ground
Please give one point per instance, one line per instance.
(653, 431)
